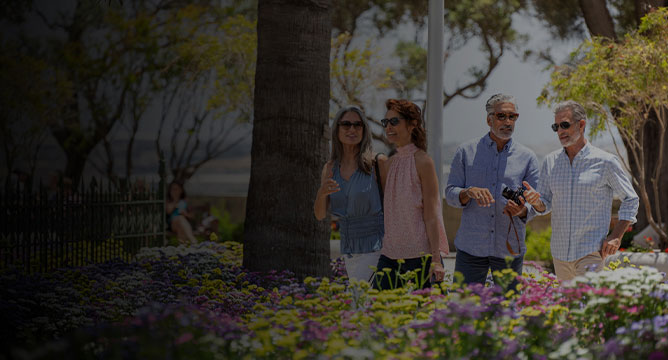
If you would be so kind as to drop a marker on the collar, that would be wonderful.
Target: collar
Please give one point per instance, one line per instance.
(409, 149)
(586, 149)
(487, 140)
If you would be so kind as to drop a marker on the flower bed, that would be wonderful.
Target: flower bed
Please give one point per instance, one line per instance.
(199, 303)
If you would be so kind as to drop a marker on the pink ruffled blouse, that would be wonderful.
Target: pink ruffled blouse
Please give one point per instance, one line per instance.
(405, 230)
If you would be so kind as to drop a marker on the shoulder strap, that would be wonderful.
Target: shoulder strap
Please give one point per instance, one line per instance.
(510, 248)
(380, 187)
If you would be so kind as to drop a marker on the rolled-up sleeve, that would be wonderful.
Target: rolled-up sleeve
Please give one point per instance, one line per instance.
(623, 189)
(456, 180)
(532, 176)
(544, 189)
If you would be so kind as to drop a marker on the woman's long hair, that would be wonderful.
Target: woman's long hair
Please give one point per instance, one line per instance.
(169, 191)
(410, 112)
(364, 155)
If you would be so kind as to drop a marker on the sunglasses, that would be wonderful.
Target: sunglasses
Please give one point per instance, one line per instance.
(346, 125)
(394, 121)
(502, 116)
(564, 125)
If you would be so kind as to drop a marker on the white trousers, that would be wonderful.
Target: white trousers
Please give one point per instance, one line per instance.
(358, 265)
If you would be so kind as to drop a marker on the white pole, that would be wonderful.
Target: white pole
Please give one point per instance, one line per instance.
(434, 109)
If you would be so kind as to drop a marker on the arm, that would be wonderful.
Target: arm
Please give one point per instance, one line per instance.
(456, 193)
(456, 181)
(327, 186)
(622, 188)
(169, 207)
(383, 167)
(530, 181)
(541, 198)
(432, 212)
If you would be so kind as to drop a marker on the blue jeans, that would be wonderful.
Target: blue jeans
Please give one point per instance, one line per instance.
(475, 268)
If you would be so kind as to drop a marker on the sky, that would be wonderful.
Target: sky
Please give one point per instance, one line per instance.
(463, 119)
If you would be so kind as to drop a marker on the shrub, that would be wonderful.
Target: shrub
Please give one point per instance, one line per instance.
(538, 247)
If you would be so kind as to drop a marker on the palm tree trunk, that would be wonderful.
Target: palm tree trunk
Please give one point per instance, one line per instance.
(289, 147)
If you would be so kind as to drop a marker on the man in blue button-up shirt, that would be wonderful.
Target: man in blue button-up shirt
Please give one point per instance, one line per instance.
(480, 171)
(577, 184)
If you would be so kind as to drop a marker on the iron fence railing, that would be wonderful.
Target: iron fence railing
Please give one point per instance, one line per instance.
(45, 229)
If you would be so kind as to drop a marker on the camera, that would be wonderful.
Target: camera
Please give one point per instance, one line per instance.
(513, 195)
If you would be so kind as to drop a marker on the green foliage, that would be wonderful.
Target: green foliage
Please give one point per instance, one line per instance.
(354, 70)
(413, 68)
(627, 239)
(538, 245)
(623, 85)
(228, 230)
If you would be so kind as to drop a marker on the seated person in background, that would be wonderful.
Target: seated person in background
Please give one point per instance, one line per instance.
(178, 215)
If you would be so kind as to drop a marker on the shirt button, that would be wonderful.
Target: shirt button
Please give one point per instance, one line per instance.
(492, 231)
(492, 216)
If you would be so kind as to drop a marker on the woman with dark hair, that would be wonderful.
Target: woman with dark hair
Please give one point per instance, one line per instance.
(177, 213)
(349, 188)
(414, 230)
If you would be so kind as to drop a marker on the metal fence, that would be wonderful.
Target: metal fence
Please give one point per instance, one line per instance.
(45, 229)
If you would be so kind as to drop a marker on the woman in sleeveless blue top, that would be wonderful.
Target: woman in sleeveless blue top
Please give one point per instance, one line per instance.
(350, 190)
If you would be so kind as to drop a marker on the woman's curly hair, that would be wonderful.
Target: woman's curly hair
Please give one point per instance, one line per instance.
(413, 114)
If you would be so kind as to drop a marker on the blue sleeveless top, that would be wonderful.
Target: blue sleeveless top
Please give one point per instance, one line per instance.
(360, 212)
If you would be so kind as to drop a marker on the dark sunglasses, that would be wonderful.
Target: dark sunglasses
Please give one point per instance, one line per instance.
(394, 121)
(348, 124)
(502, 116)
(564, 125)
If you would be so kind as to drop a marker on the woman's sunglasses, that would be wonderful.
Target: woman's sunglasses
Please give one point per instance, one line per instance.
(394, 121)
(564, 125)
(346, 125)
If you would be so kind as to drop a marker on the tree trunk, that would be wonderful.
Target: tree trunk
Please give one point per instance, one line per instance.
(598, 19)
(289, 147)
(651, 149)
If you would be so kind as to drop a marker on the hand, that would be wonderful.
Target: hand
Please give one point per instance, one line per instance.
(437, 271)
(531, 196)
(514, 209)
(481, 195)
(328, 185)
(610, 246)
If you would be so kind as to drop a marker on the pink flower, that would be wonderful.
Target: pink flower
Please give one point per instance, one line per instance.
(184, 338)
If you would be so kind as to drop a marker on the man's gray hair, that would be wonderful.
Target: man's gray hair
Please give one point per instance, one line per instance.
(577, 111)
(500, 98)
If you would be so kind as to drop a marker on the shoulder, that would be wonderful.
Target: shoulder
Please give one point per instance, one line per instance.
(329, 165)
(610, 160)
(423, 160)
(471, 145)
(554, 155)
(521, 149)
(601, 154)
(551, 158)
(380, 157)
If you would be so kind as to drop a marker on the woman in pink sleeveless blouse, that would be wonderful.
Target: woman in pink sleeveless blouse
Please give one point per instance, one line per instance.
(414, 228)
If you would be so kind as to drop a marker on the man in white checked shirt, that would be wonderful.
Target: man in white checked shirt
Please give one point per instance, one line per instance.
(577, 184)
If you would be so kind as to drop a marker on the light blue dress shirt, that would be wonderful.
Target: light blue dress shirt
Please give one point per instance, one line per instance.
(483, 230)
(580, 198)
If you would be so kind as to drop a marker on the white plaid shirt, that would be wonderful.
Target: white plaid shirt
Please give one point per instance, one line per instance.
(580, 198)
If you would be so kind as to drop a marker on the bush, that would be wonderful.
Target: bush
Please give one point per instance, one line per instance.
(228, 230)
(538, 247)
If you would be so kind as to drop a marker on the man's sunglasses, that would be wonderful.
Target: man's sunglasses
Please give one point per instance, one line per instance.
(564, 125)
(394, 121)
(502, 116)
(346, 125)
